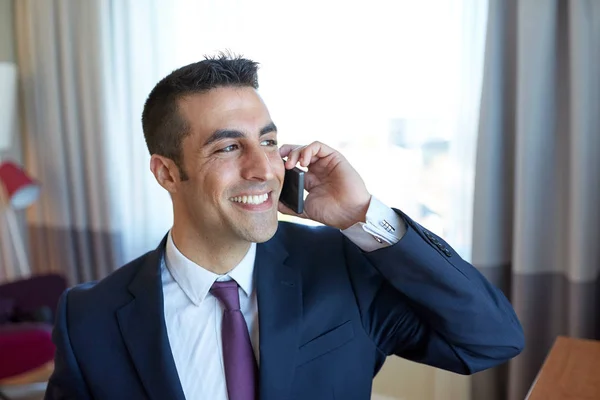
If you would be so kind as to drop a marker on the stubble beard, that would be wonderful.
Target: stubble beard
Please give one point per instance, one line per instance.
(257, 229)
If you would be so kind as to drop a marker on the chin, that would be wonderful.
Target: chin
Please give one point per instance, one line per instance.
(266, 236)
(261, 234)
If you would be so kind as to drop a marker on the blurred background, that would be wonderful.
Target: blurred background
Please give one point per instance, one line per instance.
(478, 118)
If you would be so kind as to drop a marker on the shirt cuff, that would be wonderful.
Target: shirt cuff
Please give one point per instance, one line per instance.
(382, 228)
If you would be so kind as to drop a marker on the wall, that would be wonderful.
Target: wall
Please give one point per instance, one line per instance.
(401, 379)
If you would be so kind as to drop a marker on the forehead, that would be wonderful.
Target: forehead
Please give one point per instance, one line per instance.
(224, 108)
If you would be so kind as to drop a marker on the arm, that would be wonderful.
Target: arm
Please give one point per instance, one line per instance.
(424, 303)
(66, 381)
(417, 297)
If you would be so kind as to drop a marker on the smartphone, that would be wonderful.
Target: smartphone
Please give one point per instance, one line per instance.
(292, 193)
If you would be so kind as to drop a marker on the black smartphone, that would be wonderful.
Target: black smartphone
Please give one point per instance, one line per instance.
(292, 193)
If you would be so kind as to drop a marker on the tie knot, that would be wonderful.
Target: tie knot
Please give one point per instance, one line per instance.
(227, 293)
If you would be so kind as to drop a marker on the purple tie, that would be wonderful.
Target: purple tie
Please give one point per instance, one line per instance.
(240, 364)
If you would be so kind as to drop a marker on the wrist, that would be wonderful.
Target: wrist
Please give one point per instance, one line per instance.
(357, 214)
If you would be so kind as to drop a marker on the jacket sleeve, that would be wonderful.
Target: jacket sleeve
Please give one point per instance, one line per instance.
(66, 382)
(420, 300)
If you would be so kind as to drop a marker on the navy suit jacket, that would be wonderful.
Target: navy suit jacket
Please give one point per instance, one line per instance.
(329, 314)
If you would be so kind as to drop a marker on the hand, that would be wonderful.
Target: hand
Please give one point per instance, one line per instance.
(337, 195)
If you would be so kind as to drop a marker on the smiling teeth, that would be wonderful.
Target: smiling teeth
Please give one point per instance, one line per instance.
(256, 199)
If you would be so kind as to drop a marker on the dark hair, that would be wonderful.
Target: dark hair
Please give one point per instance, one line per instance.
(164, 128)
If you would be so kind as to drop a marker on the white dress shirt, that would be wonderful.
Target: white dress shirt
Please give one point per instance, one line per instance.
(193, 315)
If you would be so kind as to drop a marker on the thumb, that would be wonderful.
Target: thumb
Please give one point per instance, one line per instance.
(282, 208)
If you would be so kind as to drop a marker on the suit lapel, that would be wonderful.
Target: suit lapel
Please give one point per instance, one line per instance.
(144, 331)
(280, 313)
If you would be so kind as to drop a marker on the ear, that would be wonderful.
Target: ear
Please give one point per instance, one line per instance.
(166, 172)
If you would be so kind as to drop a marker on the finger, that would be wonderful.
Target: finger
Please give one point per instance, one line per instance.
(294, 156)
(289, 151)
(302, 155)
(305, 155)
(310, 181)
(313, 160)
(313, 152)
(286, 149)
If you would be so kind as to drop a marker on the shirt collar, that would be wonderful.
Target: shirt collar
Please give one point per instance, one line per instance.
(195, 281)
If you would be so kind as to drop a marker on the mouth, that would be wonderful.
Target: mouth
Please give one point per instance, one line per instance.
(253, 202)
(250, 199)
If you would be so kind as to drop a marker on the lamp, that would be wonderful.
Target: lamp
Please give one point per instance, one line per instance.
(17, 191)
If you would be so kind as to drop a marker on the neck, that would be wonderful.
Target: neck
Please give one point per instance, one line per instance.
(204, 249)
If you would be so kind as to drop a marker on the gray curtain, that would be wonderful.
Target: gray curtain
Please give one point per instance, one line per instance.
(83, 89)
(57, 44)
(536, 225)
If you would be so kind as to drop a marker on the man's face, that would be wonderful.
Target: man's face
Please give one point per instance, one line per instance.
(232, 160)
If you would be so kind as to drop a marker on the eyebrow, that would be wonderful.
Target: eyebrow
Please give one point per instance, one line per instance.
(221, 134)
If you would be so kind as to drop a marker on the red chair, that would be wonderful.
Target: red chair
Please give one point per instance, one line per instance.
(26, 315)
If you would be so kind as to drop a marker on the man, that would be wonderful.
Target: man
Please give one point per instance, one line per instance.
(234, 305)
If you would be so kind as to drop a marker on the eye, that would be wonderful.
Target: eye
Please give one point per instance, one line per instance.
(269, 142)
(228, 149)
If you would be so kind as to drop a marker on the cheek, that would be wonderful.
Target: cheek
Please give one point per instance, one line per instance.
(278, 167)
(216, 180)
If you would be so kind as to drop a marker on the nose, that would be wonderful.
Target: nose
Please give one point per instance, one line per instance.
(257, 165)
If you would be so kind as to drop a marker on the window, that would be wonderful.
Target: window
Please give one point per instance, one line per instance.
(394, 85)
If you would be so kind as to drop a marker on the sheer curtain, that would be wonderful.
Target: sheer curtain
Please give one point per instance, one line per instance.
(137, 43)
(85, 68)
(394, 85)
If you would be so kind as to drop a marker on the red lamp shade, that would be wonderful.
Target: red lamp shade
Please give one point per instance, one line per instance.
(20, 189)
